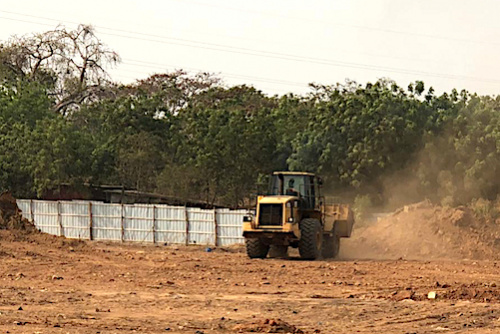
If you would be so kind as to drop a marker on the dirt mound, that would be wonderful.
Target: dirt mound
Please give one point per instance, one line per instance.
(425, 231)
(10, 215)
(473, 291)
(268, 326)
(18, 229)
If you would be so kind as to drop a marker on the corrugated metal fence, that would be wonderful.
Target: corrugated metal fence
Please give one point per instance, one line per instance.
(138, 222)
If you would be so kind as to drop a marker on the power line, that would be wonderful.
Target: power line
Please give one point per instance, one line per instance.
(229, 75)
(266, 54)
(316, 21)
(145, 64)
(235, 76)
(239, 38)
(317, 61)
(259, 87)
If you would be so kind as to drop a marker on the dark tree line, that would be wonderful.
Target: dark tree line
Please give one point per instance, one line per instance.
(63, 121)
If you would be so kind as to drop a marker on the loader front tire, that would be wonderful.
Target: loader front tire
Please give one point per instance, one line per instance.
(311, 239)
(256, 249)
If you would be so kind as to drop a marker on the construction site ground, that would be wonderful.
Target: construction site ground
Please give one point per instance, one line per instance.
(55, 285)
(422, 269)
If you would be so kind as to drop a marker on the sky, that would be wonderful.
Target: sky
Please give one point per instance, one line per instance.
(280, 46)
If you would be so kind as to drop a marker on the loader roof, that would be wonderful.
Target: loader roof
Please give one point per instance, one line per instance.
(294, 173)
(274, 199)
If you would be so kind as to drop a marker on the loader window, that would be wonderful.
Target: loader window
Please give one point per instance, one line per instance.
(292, 185)
(276, 186)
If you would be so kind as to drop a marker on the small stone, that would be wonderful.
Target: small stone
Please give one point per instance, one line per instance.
(20, 308)
(402, 295)
(432, 295)
(407, 301)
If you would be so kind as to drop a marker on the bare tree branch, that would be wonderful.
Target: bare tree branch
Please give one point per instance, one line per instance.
(75, 59)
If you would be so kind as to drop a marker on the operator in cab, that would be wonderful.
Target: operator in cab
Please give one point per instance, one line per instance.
(291, 191)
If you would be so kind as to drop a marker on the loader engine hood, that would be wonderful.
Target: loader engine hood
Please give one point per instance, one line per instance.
(272, 211)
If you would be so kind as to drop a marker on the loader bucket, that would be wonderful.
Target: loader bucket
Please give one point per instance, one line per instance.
(341, 217)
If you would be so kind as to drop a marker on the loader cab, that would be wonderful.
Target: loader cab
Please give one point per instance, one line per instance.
(305, 186)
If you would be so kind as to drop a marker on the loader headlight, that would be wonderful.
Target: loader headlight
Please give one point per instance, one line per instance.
(247, 219)
(291, 220)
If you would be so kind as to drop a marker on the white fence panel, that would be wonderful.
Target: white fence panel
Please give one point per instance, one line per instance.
(201, 226)
(75, 219)
(170, 224)
(107, 221)
(138, 223)
(25, 207)
(230, 226)
(46, 217)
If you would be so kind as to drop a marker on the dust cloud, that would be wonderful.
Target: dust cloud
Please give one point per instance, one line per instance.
(446, 222)
(424, 232)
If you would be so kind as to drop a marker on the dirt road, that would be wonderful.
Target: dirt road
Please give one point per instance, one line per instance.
(52, 285)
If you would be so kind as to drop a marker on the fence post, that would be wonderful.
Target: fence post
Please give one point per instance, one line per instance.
(91, 223)
(59, 219)
(32, 216)
(154, 224)
(187, 224)
(123, 224)
(216, 227)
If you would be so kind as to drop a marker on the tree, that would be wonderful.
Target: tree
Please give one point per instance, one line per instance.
(461, 163)
(357, 135)
(73, 62)
(139, 161)
(21, 108)
(59, 155)
(228, 137)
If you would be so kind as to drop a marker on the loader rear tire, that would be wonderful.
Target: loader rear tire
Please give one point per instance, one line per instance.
(256, 249)
(278, 251)
(331, 246)
(311, 239)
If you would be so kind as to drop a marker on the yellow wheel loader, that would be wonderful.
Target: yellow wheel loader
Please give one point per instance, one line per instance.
(294, 214)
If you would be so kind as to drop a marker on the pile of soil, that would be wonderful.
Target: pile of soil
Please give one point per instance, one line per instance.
(10, 215)
(268, 326)
(14, 229)
(425, 231)
(473, 291)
